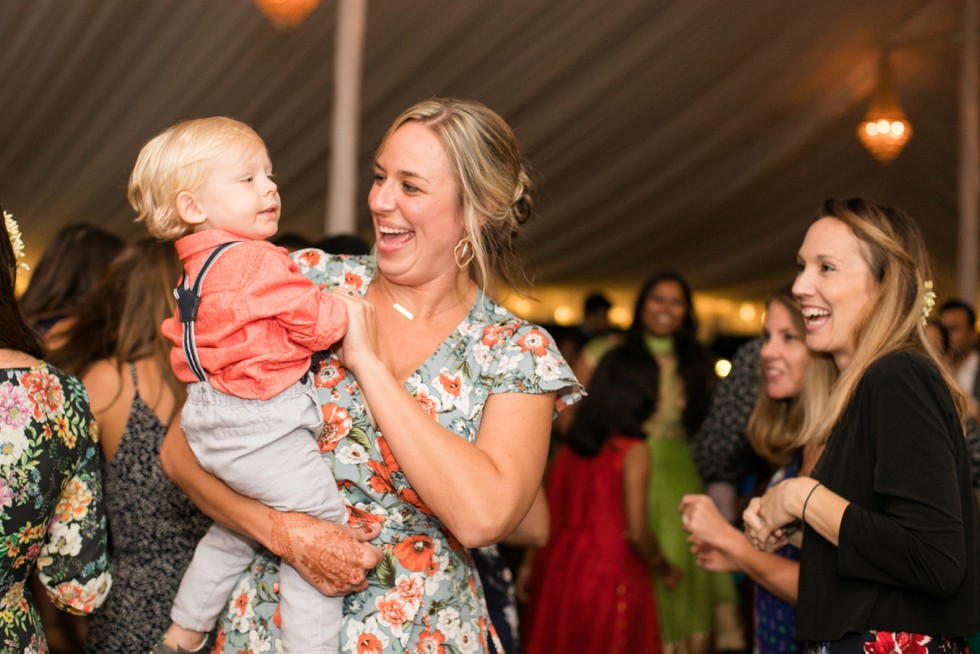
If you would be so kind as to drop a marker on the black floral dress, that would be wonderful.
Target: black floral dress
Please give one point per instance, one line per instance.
(51, 508)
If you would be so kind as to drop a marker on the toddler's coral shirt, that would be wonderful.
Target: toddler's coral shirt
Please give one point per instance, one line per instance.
(259, 320)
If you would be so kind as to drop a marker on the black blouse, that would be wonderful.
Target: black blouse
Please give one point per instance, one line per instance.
(909, 544)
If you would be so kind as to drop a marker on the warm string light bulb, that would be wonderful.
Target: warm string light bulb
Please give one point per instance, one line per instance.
(885, 130)
(286, 14)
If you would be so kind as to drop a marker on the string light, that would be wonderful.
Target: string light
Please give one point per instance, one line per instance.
(885, 129)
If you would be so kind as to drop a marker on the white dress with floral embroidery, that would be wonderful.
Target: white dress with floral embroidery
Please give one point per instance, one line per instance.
(424, 596)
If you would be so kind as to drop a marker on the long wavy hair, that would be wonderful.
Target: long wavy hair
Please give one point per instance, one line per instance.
(622, 394)
(693, 362)
(15, 334)
(121, 319)
(776, 425)
(70, 267)
(895, 252)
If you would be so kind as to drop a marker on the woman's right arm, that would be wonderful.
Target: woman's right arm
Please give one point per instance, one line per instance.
(335, 558)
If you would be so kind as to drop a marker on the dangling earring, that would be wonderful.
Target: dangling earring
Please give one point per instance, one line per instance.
(463, 252)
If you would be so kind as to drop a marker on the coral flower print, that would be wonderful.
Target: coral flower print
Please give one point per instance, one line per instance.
(329, 375)
(365, 637)
(900, 642)
(310, 259)
(394, 612)
(368, 644)
(411, 588)
(491, 334)
(353, 281)
(430, 642)
(429, 404)
(44, 391)
(450, 383)
(535, 342)
(241, 610)
(337, 424)
(415, 552)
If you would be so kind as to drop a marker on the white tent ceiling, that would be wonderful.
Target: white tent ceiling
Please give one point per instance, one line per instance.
(695, 134)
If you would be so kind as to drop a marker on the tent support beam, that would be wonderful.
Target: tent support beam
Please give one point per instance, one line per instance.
(341, 210)
(969, 165)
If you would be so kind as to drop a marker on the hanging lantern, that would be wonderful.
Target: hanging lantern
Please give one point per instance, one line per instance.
(885, 130)
(286, 14)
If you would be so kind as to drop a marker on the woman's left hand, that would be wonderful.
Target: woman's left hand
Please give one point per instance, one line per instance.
(767, 518)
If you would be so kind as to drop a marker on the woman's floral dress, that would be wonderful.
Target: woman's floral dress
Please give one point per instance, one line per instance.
(424, 595)
(51, 510)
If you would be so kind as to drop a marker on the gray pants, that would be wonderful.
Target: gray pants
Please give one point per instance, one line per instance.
(266, 450)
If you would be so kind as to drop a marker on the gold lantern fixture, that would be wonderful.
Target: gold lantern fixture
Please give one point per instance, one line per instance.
(286, 14)
(885, 129)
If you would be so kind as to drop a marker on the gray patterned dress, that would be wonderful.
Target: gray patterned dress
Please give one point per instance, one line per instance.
(153, 530)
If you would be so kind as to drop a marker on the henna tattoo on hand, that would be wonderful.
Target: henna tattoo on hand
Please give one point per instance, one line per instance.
(332, 557)
(282, 525)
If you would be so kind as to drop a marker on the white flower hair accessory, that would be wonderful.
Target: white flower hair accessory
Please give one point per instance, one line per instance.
(928, 300)
(16, 241)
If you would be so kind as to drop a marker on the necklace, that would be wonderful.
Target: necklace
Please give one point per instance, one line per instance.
(411, 315)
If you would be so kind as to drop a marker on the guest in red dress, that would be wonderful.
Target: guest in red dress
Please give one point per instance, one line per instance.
(590, 588)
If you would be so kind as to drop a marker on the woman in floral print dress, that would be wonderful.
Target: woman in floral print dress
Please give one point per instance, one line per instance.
(51, 512)
(461, 395)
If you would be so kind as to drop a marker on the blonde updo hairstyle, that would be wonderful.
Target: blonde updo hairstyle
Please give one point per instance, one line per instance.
(494, 187)
(895, 252)
(176, 160)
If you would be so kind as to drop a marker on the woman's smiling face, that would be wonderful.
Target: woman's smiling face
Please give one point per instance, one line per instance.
(784, 354)
(834, 287)
(664, 308)
(415, 206)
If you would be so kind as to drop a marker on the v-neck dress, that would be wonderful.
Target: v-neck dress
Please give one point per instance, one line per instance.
(424, 595)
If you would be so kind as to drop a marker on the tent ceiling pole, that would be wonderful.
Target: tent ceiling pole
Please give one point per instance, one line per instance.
(969, 167)
(341, 215)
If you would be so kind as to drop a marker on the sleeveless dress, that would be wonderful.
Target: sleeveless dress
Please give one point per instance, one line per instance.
(424, 595)
(591, 591)
(153, 530)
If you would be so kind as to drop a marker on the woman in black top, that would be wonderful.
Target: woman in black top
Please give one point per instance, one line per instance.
(890, 542)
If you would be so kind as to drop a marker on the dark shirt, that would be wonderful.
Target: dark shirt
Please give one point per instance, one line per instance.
(909, 546)
(721, 449)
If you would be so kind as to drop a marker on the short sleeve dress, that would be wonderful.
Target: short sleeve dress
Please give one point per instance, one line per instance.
(424, 595)
(51, 509)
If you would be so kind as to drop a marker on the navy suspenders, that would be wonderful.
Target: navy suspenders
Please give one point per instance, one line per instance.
(188, 300)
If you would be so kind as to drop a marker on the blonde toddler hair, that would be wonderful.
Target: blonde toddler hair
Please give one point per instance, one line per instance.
(174, 161)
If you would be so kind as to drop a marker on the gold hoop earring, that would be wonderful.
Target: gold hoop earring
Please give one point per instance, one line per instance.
(463, 253)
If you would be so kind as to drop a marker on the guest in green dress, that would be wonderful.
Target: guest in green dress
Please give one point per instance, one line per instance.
(699, 613)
